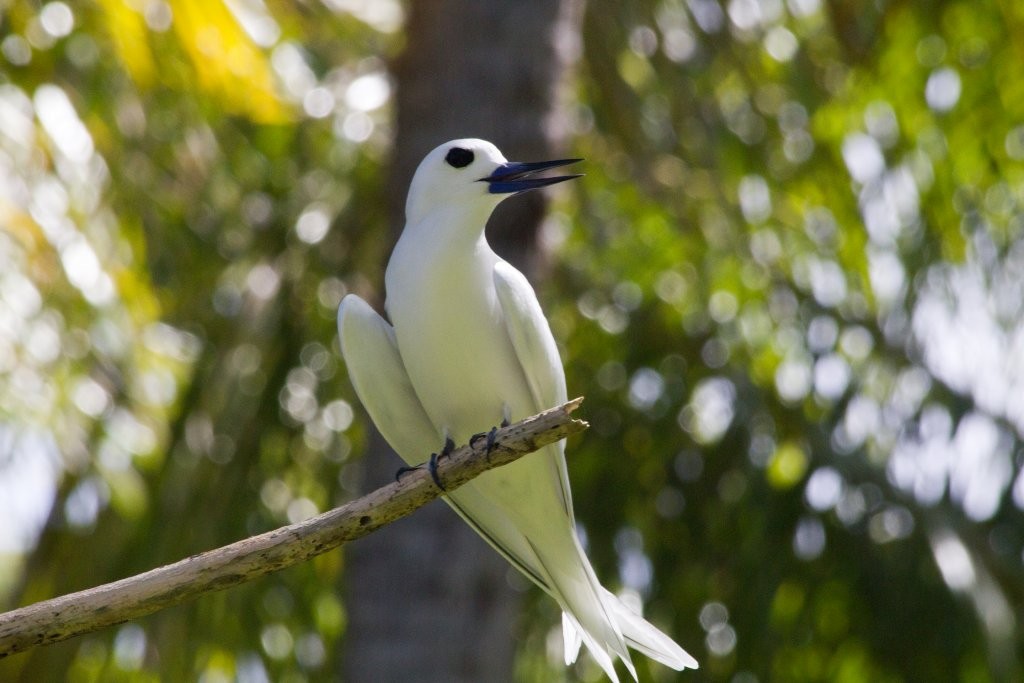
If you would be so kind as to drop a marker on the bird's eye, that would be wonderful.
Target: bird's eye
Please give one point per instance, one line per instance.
(458, 157)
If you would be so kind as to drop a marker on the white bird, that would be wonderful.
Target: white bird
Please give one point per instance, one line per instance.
(469, 346)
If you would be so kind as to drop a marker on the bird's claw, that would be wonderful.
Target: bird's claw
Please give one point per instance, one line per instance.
(449, 446)
(491, 435)
(432, 466)
(404, 470)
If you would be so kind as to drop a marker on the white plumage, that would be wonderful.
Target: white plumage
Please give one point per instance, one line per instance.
(470, 346)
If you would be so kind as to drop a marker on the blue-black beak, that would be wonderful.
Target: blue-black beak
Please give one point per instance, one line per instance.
(515, 176)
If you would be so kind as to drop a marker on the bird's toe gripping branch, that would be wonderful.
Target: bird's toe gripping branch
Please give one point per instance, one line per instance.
(491, 435)
(432, 466)
(405, 470)
(449, 446)
(491, 438)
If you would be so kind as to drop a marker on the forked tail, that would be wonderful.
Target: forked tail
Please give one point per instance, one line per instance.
(638, 633)
(595, 617)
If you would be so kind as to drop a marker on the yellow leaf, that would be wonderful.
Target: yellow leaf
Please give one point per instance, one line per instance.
(228, 65)
(130, 37)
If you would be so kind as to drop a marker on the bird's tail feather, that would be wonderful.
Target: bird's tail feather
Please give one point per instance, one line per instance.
(572, 637)
(638, 633)
(644, 637)
(586, 617)
(600, 652)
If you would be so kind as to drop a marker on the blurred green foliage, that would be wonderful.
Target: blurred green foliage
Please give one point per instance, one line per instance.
(790, 287)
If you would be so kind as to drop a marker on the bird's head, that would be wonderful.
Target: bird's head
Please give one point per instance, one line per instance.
(473, 174)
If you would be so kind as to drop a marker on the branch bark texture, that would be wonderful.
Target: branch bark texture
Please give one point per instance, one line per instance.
(75, 614)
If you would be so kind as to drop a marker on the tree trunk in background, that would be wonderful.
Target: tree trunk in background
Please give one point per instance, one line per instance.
(427, 599)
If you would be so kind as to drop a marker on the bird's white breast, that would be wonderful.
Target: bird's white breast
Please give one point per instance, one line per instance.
(452, 336)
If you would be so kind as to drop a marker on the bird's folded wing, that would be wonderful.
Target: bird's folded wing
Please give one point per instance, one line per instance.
(379, 377)
(536, 350)
(531, 337)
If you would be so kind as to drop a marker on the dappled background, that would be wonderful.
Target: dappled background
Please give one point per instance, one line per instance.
(790, 286)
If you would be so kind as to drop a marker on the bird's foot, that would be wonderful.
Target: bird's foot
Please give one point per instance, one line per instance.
(490, 442)
(491, 437)
(432, 466)
(449, 446)
(446, 450)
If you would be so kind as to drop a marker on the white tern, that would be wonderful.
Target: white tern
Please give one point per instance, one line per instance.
(468, 346)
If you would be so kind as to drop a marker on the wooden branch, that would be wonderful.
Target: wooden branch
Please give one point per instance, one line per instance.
(75, 614)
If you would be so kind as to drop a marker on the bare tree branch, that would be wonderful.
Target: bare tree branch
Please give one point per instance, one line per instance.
(75, 614)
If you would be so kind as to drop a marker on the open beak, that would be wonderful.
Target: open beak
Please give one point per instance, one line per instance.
(516, 176)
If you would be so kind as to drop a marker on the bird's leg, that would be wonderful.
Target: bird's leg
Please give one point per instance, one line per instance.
(449, 446)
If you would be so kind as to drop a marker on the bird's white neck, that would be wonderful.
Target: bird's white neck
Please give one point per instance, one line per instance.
(445, 250)
(457, 227)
